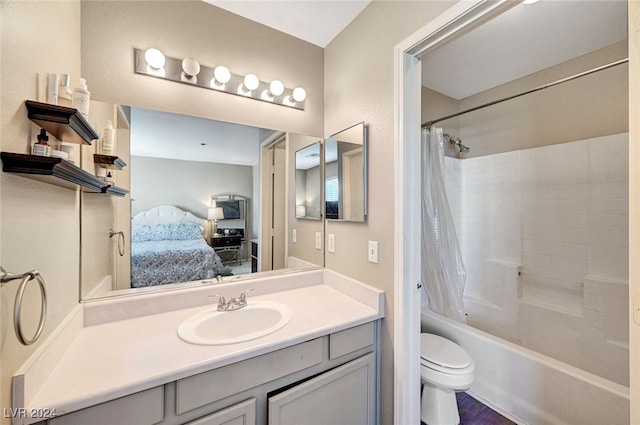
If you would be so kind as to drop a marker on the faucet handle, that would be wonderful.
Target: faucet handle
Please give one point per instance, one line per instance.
(243, 295)
(221, 301)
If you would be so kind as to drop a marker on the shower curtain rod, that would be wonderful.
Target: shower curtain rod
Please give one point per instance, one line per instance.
(563, 80)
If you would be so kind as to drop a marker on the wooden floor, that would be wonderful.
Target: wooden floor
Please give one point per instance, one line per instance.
(472, 412)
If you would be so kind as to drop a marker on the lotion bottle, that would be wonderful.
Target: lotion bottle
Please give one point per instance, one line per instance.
(81, 97)
(65, 95)
(52, 89)
(108, 142)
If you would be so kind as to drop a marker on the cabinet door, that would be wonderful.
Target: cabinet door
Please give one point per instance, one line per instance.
(239, 414)
(344, 395)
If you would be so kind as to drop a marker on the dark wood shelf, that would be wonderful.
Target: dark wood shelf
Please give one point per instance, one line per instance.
(66, 124)
(56, 171)
(108, 161)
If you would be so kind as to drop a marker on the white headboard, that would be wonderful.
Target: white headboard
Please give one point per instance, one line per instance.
(163, 214)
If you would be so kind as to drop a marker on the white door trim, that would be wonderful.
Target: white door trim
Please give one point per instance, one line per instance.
(407, 224)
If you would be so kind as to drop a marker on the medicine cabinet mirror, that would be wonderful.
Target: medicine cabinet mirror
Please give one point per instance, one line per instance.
(224, 158)
(308, 179)
(345, 174)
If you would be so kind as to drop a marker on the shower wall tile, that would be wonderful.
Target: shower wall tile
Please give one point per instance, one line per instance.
(561, 213)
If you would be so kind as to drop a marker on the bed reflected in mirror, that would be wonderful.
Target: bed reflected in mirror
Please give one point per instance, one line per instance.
(194, 211)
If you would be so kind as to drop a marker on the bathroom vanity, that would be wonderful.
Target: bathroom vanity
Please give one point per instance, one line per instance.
(121, 361)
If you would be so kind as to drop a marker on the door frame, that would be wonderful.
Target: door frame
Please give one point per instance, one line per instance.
(265, 255)
(462, 16)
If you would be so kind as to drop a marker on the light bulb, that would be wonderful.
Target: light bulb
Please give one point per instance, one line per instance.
(222, 74)
(154, 58)
(251, 82)
(299, 94)
(276, 88)
(190, 66)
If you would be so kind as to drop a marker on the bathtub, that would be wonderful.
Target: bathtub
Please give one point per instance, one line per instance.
(531, 388)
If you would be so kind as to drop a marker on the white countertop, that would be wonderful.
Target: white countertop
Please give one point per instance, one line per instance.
(117, 358)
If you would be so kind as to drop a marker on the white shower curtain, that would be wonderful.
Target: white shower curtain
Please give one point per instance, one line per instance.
(443, 273)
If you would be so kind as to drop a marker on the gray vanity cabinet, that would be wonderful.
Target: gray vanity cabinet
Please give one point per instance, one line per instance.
(327, 380)
(344, 395)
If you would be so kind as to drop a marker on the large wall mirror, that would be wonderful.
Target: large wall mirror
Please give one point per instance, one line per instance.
(197, 208)
(308, 182)
(345, 174)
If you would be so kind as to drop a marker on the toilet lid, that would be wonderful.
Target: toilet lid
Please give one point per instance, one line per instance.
(441, 351)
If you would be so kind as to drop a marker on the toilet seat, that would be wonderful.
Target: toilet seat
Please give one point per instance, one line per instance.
(443, 354)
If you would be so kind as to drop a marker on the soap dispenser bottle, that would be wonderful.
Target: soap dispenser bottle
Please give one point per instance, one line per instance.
(81, 97)
(41, 147)
(108, 142)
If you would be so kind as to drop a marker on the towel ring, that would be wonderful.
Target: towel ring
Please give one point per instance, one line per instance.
(121, 240)
(17, 306)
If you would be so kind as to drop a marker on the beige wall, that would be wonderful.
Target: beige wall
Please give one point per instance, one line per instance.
(359, 87)
(185, 184)
(111, 30)
(39, 227)
(591, 106)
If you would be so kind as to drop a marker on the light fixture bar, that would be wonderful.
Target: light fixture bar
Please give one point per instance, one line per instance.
(172, 70)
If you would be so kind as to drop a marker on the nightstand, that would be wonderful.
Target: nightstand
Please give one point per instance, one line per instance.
(231, 244)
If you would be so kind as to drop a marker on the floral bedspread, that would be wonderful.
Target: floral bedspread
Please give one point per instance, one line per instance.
(171, 261)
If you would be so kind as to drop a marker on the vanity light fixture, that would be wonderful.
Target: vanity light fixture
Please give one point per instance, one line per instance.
(276, 88)
(190, 70)
(221, 76)
(299, 94)
(154, 63)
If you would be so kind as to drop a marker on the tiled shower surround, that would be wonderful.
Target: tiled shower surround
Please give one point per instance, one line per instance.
(544, 237)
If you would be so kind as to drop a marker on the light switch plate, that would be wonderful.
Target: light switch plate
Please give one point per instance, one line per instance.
(331, 243)
(294, 236)
(373, 251)
(318, 240)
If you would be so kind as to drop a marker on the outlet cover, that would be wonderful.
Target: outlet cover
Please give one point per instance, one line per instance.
(331, 243)
(294, 236)
(318, 240)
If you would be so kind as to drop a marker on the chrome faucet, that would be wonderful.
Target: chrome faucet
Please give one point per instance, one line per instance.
(234, 303)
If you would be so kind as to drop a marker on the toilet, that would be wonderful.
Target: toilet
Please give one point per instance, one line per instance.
(445, 368)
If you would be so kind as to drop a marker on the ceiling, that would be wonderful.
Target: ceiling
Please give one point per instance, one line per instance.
(317, 22)
(166, 135)
(523, 40)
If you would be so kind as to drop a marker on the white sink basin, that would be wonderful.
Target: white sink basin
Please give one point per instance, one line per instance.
(213, 327)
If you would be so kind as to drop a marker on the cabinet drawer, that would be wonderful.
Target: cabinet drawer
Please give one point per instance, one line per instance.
(350, 340)
(239, 414)
(143, 408)
(207, 387)
(226, 241)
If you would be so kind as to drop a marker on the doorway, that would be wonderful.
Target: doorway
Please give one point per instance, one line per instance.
(274, 229)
